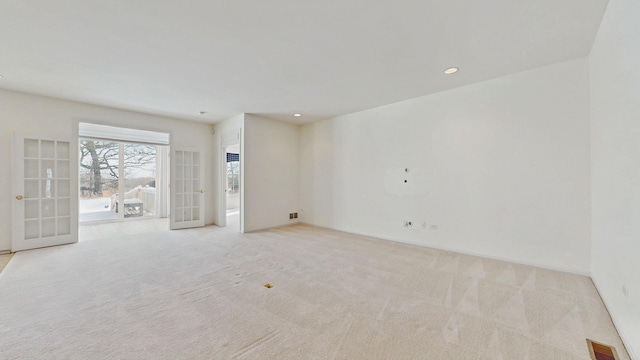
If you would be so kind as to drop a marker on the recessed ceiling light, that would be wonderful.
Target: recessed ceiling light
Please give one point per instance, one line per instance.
(203, 112)
(297, 115)
(451, 70)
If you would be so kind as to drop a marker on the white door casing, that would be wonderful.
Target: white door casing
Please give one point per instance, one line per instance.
(187, 191)
(45, 208)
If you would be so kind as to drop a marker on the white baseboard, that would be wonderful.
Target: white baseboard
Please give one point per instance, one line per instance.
(292, 222)
(471, 253)
(5, 252)
(625, 342)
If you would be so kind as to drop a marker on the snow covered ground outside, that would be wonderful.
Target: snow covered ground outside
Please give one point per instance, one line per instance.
(95, 205)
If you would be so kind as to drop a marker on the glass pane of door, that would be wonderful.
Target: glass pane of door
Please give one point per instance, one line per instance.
(46, 211)
(99, 169)
(233, 183)
(44, 201)
(187, 205)
(140, 178)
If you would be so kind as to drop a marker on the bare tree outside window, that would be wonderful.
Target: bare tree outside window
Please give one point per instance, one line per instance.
(99, 165)
(102, 162)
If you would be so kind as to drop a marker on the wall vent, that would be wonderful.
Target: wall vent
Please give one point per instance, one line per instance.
(601, 351)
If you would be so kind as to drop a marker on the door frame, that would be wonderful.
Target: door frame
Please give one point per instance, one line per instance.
(162, 176)
(165, 177)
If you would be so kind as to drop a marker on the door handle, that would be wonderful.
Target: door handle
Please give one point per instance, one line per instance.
(201, 191)
(19, 197)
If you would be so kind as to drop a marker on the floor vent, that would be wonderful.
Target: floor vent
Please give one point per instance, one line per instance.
(601, 351)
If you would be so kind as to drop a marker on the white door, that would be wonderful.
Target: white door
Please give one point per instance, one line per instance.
(44, 207)
(187, 192)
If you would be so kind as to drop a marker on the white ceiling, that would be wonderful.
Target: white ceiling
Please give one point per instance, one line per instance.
(277, 57)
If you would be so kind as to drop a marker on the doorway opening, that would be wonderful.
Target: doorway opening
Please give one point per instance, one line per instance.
(232, 186)
(110, 168)
(122, 174)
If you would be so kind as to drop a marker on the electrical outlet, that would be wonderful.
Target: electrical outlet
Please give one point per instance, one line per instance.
(433, 227)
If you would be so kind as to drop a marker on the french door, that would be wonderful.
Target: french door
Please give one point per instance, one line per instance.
(187, 192)
(44, 206)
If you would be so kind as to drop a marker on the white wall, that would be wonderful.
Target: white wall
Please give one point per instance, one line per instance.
(615, 162)
(271, 172)
(21, 113)
(502, 167)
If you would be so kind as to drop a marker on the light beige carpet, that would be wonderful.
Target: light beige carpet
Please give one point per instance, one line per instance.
(199, 294)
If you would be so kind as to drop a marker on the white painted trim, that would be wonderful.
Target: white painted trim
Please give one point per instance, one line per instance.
(242, 193)
(625, 342)
(162, 181)
(458, 251)
(298, 222)
(222, 207)
(130, 125)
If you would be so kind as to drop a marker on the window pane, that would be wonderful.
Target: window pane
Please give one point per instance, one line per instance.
(99, 168)
(31, 148)
(140, 173)
(47, 149)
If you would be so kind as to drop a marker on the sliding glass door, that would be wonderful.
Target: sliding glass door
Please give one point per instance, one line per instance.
(140, 170)
(99, 172)
(118, 180)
